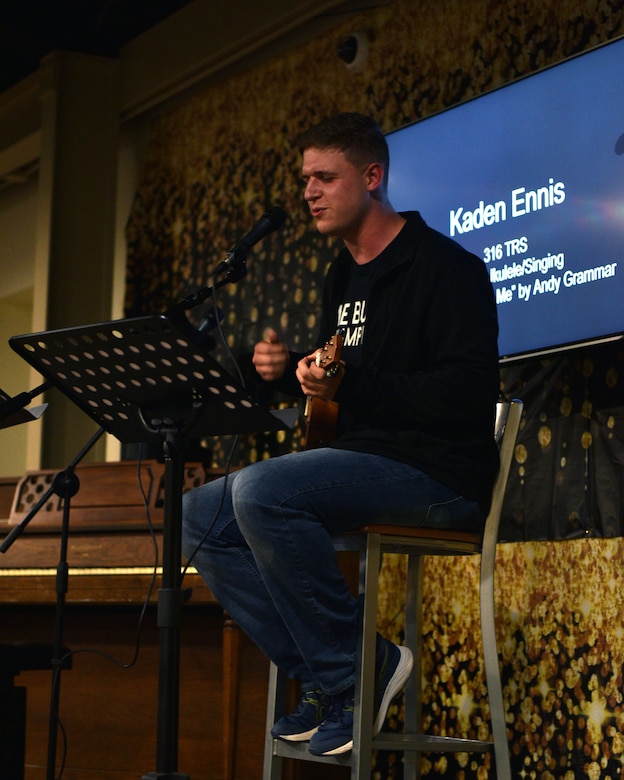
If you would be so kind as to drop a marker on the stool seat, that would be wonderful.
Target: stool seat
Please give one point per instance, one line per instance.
(23, 656)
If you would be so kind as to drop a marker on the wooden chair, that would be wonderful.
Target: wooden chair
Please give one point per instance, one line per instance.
(371, 542)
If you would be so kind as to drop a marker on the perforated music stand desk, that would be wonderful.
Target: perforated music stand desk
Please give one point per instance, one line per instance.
(127, 373)
(147, 379)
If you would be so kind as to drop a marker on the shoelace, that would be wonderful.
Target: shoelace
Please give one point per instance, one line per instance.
(315, 698)
(340, 706)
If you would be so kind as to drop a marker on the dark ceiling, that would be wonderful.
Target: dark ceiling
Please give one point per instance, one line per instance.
(30, 29)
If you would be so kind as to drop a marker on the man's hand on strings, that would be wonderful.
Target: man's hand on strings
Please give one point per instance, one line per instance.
(315, 381)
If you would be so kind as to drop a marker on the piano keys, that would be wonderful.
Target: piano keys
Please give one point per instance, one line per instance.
(115, 534)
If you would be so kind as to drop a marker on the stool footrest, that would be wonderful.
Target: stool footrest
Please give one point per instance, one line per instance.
(300, 751)
(425, 742)
(420, 743)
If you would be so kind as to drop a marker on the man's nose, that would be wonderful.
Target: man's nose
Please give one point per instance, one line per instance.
(311, 190)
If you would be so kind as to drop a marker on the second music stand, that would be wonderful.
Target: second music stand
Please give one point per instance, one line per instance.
(12, 411)
(148, 379)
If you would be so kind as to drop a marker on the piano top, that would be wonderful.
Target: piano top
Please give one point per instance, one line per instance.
(115, 535)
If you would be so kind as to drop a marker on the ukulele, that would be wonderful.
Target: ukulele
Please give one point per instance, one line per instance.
(321, 415)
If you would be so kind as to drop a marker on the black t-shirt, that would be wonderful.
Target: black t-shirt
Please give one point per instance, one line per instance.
(351, 317)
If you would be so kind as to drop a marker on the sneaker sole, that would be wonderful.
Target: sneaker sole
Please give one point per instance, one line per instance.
(336, 751)
(304, 736)
(395, 685)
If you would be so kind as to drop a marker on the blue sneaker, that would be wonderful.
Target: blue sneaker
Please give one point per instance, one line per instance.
(312, 709)
(335, 734)
(393, 667)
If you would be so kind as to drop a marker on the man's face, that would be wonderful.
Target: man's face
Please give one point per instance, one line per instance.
(337, 192)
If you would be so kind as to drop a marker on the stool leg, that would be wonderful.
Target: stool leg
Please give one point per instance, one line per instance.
(12, 730)
(276, 697)
(231, 668)
(490, 653)
(413, 640)
(364, 710)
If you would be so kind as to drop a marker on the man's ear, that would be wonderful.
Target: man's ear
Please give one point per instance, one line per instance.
(374, 176)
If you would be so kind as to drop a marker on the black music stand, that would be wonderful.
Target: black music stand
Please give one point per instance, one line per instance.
(148, 379)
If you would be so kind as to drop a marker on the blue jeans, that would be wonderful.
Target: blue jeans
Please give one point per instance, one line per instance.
(268, 554)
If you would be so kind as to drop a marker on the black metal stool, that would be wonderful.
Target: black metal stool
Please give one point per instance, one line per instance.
(16, 657)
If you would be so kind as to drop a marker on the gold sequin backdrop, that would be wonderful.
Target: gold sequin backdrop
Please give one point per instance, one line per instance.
(218, 159)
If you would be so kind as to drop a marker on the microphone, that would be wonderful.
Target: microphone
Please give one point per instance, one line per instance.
(271, 220)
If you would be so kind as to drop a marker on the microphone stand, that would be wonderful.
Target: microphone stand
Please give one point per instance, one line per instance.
(65, 485)
(236, 270)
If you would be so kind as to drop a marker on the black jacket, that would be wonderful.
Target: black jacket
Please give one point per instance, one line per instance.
(428, 382)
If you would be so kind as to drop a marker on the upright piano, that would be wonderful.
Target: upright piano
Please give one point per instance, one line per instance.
(108, 700)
